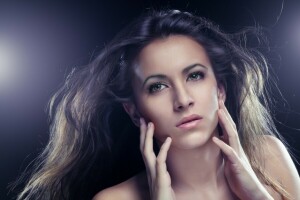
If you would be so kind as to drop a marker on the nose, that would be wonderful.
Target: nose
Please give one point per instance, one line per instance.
(182, 99)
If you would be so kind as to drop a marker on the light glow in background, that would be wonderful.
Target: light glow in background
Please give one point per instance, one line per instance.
(40, 42)
(9, 62)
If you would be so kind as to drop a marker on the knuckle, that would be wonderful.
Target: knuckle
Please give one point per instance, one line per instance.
(145, 151)
(159, 161)
(235, 135)
(231, 151)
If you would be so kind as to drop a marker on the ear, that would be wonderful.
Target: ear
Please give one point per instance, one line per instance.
(221, 92)
(133, 113)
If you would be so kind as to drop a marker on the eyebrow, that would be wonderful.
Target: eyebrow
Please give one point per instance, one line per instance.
(184, 71)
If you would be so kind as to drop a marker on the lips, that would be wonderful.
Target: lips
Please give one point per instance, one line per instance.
(188, 119)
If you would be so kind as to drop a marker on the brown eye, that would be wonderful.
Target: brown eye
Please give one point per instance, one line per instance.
(156, 87)
(196, 76)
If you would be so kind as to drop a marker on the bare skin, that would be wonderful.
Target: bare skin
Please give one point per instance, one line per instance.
(277, 163)
(193, 163)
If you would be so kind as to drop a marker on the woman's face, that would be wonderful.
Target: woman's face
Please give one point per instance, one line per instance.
(176, 89)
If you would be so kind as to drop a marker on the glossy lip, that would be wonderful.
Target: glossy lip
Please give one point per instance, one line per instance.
(189, 121)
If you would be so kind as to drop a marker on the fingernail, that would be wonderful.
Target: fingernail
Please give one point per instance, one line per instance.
(149, 124)
(220, 111)
(215, 139)
(220, 103)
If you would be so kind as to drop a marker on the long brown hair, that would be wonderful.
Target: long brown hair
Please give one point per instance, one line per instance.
(91, 134)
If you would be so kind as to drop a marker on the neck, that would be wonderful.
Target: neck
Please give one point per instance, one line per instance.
(196, 169)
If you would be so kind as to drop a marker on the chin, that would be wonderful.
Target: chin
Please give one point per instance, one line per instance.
(192, 140)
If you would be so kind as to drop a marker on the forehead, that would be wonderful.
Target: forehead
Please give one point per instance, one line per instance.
(171, 53)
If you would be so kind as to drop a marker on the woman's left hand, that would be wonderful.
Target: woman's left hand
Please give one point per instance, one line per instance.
(239, 174)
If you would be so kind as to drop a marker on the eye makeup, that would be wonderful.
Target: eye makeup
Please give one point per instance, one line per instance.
(157, 86)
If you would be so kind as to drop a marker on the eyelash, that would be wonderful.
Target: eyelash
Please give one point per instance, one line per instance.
(151, 88)
(201, 74)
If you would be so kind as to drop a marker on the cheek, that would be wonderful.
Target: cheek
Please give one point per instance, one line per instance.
(206, 94)
(153, 110)
(212, 108)
(214, 100)
(158, 112)
(208, 102)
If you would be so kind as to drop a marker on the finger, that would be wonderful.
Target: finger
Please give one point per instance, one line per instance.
(148, 153)
(227, 150)
(230, 133)
(149, 169)
(222, 106)
(148, 147)
(142, 133)
(161, 166)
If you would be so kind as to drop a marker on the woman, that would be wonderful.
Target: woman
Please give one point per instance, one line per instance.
(199, 104)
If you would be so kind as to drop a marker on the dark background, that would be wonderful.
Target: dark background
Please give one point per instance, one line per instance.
(41, 41)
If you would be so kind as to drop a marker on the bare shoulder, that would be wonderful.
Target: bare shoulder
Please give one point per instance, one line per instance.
(135, 188)
(279, 164)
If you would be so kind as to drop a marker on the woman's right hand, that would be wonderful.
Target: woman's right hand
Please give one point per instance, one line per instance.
(159, 179)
